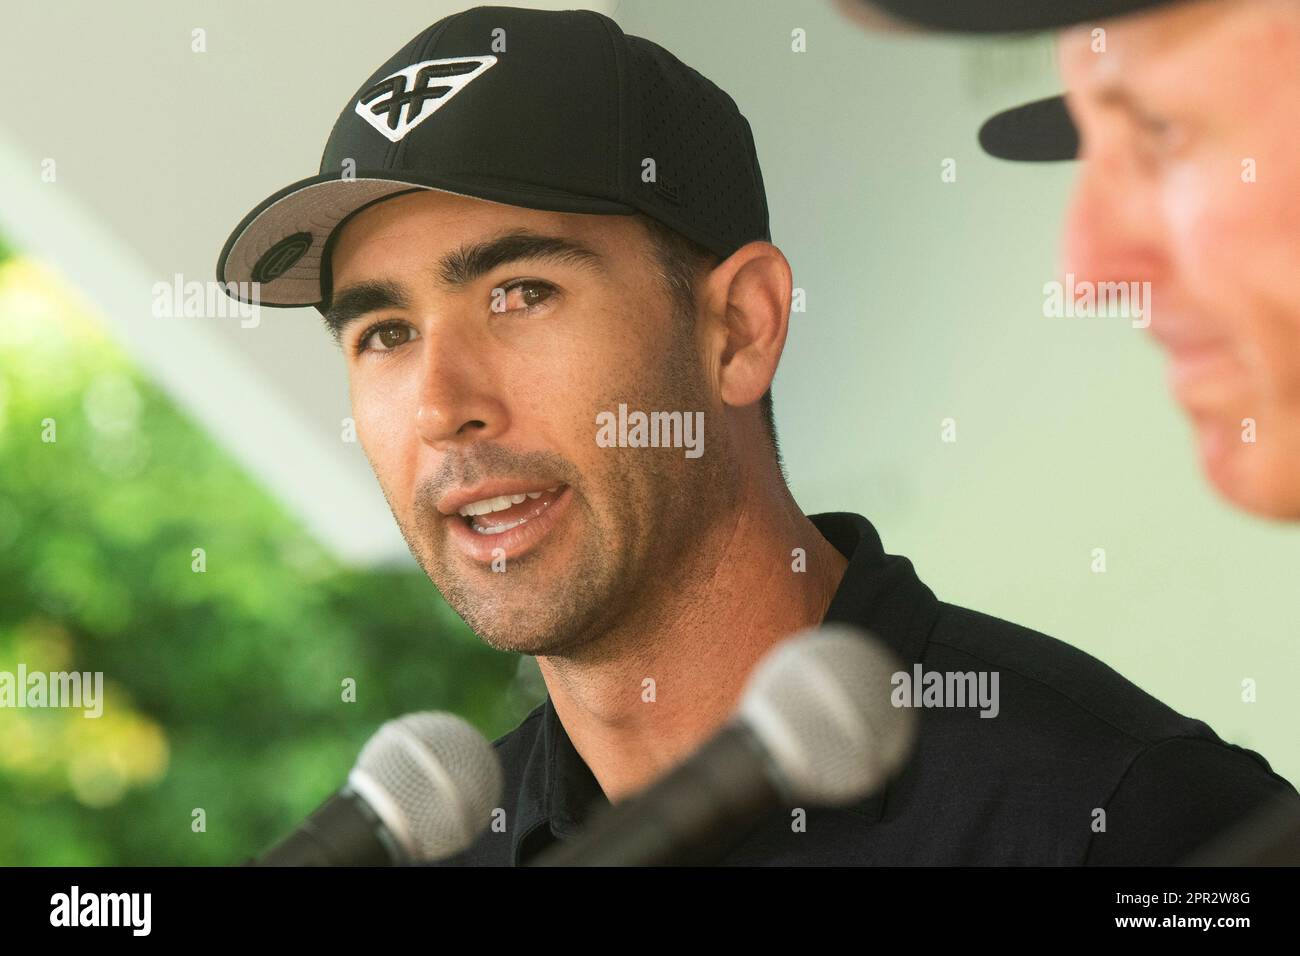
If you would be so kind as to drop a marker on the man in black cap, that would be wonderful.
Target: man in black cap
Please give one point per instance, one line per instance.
(535, 238)
(1187, 116)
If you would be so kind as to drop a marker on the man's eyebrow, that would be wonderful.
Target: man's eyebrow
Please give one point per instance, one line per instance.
(462, 266)
(360, 299)
(458, 268)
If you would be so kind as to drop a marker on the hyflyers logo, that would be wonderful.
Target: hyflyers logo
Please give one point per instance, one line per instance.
(403, 100)
(103, 909)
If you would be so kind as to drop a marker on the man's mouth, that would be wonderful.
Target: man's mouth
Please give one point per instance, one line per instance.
(504, 512)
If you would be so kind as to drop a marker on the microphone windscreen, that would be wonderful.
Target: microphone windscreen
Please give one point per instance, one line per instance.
(820, 704)
(433, 779)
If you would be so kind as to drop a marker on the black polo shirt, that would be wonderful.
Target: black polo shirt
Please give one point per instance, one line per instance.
(1079, 766)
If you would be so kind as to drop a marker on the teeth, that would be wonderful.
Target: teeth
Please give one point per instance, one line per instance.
(486, 506)
(499, 528)
(499, 503)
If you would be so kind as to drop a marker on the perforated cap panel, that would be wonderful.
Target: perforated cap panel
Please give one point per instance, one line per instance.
(707, 180)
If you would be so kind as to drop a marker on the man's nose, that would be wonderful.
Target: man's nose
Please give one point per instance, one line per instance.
(459, 402)
(1113, 223)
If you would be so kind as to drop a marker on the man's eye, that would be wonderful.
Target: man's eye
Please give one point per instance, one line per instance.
(525, 294)
(386, 337)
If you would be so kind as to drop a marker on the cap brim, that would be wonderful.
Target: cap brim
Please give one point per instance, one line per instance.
(1041, 131)
(282, 243)
(1007, 16)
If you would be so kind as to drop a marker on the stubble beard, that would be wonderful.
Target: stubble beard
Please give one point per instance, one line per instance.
(659, 504)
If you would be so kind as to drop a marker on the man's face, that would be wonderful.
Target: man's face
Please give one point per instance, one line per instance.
(1190, 131)
(482, 340)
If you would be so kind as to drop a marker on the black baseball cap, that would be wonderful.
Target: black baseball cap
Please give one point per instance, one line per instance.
(550, 110)
(1041, 131)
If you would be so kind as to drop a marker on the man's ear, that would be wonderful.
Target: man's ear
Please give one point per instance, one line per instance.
(747, 299)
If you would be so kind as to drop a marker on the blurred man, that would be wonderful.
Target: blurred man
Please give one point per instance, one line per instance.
(1187, 118)
(532, 235)
(1184, 113)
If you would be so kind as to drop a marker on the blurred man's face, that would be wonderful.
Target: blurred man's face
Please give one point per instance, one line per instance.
(482, 340)
(1190, 127)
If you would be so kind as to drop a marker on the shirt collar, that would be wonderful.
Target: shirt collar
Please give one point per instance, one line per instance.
(879, 592)
(557, 789)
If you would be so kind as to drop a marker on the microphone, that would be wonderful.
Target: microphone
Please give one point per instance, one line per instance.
(815, 726)
(423, 788)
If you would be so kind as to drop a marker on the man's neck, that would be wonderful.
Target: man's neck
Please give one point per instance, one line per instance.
(635, 704)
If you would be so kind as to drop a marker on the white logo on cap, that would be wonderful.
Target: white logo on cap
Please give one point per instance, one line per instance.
(403, 100)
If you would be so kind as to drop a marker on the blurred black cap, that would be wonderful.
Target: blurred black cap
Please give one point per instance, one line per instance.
(1036, 132)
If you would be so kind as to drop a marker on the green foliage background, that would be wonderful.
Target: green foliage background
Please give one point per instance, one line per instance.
(223, 689)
